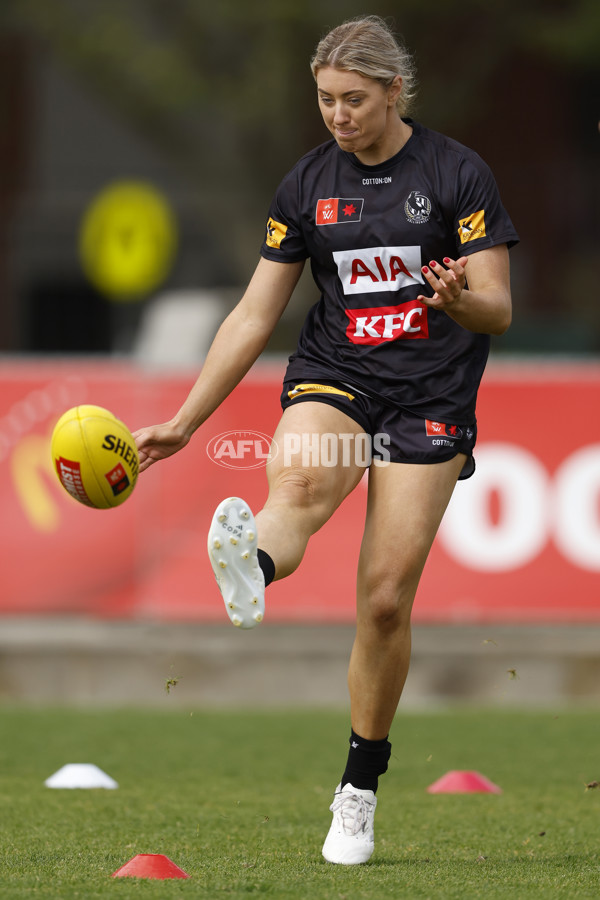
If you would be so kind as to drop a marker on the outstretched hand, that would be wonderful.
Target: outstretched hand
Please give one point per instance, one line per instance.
(158, 442)
(448, 283)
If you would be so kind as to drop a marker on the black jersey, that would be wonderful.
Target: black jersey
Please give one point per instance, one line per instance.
(368, 230)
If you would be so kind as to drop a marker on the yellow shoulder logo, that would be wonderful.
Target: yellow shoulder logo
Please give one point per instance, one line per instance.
(472, 227)
(276, 232)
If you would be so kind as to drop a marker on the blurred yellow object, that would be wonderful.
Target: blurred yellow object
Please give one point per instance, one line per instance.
(127, 240)
(30, 464)
(95, 456)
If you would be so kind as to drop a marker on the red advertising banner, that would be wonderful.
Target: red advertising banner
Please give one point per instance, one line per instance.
(520, 541)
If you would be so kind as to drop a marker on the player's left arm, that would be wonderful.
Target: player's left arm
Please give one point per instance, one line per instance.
(483, 304)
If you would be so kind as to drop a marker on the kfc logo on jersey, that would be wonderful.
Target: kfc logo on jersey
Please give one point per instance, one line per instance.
(337, 210)
(374, 269)
(382, 324)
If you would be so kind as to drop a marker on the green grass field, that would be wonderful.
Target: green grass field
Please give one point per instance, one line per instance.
(240, 802)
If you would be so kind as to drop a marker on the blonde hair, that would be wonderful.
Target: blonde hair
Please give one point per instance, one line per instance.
(368, 46)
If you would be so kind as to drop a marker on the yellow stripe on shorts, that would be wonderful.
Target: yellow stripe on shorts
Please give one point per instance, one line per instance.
(302, 389)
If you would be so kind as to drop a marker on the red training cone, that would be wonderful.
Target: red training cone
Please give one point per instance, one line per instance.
(463, 783)
(150, 865)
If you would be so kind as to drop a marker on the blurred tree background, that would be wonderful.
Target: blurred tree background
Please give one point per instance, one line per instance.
(213, 102)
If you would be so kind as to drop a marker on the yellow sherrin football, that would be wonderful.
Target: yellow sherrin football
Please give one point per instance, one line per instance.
(95, 456)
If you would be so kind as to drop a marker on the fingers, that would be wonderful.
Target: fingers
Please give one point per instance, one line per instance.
(145, 461)
(141, 438)
(148, 453)
(153, 453)
(447, 283)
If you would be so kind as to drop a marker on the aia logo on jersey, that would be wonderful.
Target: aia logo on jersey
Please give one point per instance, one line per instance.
(376, 269)
(337, 210)
(441, 429)
(382, 324)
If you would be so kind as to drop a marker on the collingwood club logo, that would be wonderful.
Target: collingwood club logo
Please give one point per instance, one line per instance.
(417, 208)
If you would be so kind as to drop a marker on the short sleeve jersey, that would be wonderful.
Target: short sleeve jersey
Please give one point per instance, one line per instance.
(368, 230)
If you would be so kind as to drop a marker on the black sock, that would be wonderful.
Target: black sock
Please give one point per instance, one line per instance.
(267, 565)
(367, 760)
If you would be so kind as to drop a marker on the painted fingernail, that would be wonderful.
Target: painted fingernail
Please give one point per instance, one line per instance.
(446, 261)
(424, 270)
(433, 264)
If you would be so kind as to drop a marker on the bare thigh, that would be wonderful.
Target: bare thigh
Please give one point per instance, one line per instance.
(405, 507)
(316, 463)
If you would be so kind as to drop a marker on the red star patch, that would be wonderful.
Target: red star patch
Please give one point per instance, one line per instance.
(349, 209)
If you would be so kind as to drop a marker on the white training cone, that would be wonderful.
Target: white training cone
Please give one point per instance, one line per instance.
(81, 775)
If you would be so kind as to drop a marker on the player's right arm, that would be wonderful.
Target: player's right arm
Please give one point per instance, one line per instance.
(237, 345)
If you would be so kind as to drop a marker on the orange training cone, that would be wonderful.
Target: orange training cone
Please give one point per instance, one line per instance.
(456, 782)
(150, 865)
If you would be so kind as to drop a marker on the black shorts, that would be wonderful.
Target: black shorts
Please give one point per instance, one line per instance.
(404, 437)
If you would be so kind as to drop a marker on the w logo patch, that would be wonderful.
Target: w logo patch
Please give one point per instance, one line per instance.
(435, 429)
(337, 210)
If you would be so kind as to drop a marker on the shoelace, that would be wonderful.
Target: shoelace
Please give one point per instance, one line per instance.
(353, 811)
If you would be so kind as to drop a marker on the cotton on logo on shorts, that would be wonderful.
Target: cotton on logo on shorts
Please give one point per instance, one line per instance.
(241, 449)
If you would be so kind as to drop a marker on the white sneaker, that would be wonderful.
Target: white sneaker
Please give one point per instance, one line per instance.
(351, 837)
(232, 552)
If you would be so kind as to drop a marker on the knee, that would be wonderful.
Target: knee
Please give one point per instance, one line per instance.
(298, 487)
(386, 603)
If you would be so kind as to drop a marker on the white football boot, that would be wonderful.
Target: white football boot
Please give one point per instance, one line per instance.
(351, 838)
(232, 552)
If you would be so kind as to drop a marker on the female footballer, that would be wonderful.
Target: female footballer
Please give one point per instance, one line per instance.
(408, 244)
